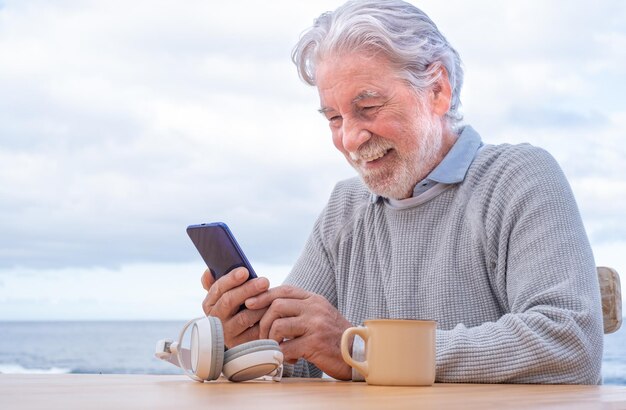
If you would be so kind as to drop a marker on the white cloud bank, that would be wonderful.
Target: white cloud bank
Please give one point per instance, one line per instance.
(123, 122)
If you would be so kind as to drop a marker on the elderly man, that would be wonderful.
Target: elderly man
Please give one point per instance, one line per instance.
(487, 240)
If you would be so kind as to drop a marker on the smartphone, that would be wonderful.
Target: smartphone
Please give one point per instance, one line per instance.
(219, 249)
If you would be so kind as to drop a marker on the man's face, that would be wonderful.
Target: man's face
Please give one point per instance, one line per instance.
(389, 134)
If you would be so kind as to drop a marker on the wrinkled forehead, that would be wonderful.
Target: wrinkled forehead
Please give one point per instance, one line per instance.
(345, 81)
(354, 63)
(359, 73)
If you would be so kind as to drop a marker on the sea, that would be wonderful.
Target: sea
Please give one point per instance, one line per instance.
(127, 347)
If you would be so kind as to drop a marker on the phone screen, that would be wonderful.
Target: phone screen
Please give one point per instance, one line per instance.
(219, 249)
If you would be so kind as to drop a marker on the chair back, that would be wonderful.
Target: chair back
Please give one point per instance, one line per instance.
(611, 298)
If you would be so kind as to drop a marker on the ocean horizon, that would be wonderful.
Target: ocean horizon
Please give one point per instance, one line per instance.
(127, 347)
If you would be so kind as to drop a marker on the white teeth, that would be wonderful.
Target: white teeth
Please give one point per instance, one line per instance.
(369, 158)
(375, 157)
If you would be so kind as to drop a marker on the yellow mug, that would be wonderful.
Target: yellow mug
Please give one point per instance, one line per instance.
(397, 352)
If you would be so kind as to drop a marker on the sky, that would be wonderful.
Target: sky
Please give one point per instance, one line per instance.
(122, 122)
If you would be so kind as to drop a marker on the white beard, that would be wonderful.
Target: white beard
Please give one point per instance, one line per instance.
(398, 179)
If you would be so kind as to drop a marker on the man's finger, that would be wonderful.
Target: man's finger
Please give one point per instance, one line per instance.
(251, 333)
(280, 308)
(230, 301)
(206, 306)
(227, 282)
(248, 331)
(282, 292)
(240, 323)
(286, 328)
(207, 279)
(293, 349)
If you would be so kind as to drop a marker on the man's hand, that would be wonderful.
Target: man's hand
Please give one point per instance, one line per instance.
(225, 296)
(306, 325)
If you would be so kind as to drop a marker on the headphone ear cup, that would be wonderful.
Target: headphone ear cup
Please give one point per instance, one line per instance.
(217, 356)
(207, 348)
(251, 360)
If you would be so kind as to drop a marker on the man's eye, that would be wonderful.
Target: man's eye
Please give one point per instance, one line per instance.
(369, 110)
(335, 120)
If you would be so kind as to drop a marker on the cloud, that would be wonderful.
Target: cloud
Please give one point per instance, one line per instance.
(553, 117)
(122, 123)
(127, 126)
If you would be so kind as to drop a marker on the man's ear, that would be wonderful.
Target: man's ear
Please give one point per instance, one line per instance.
(441, 93)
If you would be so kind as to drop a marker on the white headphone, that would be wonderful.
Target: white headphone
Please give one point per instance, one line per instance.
(206, 359)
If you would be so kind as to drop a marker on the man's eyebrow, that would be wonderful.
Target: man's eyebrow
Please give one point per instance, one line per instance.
(361, 96)
(366, 94)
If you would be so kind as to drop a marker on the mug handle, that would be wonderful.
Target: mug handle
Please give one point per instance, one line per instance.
(345, 349)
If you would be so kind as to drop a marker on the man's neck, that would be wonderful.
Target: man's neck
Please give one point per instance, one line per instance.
(448, 139)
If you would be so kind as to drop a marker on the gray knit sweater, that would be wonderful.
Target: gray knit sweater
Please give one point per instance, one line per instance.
(501, 261)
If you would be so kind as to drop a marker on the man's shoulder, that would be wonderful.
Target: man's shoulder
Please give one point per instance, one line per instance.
(521, 152)
(511, 172)
(515, 159)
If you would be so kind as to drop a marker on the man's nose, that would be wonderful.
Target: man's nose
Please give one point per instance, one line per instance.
(354, 135)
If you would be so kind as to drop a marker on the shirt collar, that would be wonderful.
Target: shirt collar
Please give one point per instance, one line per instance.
(453, 168)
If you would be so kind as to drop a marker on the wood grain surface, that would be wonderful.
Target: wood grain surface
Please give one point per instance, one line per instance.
(72, 391)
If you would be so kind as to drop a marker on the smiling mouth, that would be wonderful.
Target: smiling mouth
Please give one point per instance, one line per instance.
(373, 158)
(369, 158)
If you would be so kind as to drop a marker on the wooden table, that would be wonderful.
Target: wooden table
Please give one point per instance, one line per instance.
(71, 391)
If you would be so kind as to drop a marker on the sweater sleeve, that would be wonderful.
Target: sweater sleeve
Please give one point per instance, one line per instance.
(314, 273)
(539, 258)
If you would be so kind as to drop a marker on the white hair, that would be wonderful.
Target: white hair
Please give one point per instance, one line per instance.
(401, 32)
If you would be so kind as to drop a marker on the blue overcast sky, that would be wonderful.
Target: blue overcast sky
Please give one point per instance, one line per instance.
(122, 122)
